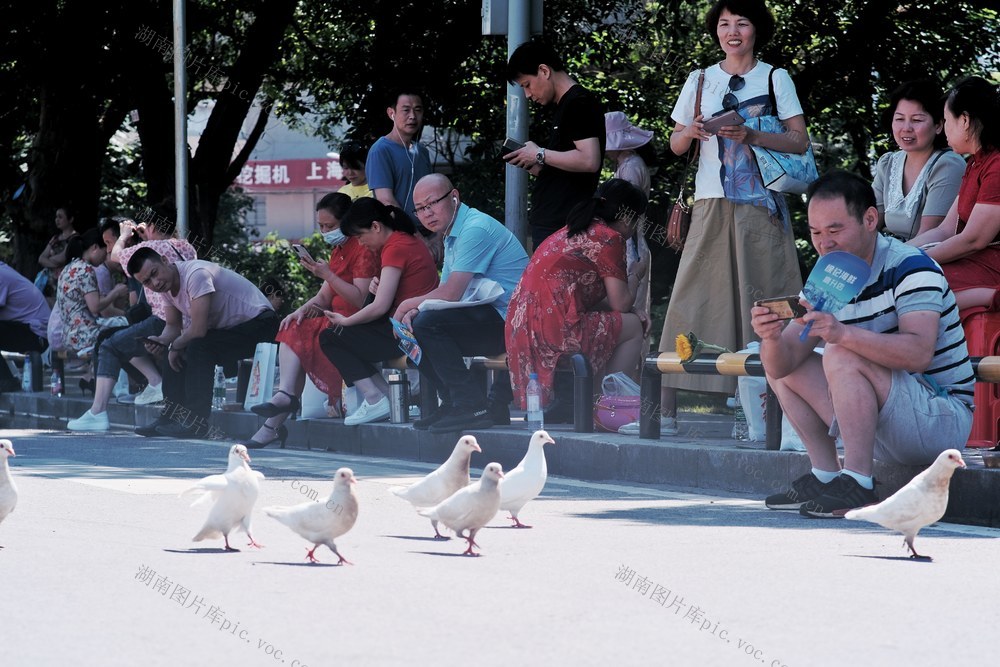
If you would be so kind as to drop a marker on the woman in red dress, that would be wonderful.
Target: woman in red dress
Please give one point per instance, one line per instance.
(346, 279)
(967, 243)
(575, 295)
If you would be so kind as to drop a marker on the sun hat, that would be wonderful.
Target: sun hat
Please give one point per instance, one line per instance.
(623, 135)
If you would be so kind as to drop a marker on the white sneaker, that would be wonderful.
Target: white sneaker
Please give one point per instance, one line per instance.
(668, 426)
(90, 422)
(151, 394)
(368, 413)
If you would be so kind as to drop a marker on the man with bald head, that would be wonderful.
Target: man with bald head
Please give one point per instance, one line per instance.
(476, 247)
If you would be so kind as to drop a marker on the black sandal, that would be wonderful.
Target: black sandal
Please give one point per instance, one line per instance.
(271, 410)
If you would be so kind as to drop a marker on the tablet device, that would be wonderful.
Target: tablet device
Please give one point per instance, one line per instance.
(715, 123)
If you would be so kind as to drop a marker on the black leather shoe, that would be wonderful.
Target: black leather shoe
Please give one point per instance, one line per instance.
(271, 410)
(149, 430)
(280, 435)
(174, 429)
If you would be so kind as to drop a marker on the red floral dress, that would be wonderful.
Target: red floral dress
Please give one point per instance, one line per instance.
(552, 314)
(348, 261)
(79, 325)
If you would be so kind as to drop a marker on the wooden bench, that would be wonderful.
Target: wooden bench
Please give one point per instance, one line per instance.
(987, 369)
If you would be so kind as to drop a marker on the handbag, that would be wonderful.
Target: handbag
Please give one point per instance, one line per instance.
(781, 172)
(680, 215)
(618, 404)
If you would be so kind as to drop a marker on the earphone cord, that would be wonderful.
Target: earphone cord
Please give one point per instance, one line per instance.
(409, 188)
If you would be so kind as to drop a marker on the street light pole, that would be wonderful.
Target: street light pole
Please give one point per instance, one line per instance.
(180, 121)
(516, 189)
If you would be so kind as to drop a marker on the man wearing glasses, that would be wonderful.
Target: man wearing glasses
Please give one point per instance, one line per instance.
(477, 248)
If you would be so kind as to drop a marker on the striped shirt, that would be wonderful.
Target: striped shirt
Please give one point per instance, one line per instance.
(903, 280)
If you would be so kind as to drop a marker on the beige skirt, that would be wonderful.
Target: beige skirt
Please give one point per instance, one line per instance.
(734, 255)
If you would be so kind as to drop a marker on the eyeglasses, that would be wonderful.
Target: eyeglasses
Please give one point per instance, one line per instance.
(421, 210)
(730, 101)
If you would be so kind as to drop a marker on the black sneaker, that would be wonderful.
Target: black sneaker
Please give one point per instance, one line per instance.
(463, 420)
(840, 495)
(804, 489)
(433, 418)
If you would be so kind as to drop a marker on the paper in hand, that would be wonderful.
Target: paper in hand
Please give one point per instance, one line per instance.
(407, 342)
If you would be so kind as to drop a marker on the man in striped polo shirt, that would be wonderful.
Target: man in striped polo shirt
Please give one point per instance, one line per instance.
(894, 379)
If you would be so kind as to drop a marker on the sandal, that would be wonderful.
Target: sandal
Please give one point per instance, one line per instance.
(271, 410)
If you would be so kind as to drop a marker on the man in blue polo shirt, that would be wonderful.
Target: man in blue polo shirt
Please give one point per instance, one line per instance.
(476, 247)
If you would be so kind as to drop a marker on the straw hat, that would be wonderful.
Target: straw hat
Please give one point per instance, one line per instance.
(623, 135)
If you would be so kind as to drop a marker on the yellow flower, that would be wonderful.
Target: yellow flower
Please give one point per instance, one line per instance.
(689, 347)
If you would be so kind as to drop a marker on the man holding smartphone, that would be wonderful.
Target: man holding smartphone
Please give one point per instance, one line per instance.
(214, 316)
(894, 380)
(569, 165)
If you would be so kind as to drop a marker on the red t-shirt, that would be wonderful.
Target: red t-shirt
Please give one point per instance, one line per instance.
(411, 256)
(348, 261)
(980, 185)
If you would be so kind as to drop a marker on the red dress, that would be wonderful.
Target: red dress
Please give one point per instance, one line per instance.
(981, 184)
(551, 313)
(348, 261)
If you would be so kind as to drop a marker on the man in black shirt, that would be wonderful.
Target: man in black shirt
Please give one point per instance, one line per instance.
(569, 165)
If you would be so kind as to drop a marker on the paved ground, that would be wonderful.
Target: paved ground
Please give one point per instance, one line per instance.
(99, 569)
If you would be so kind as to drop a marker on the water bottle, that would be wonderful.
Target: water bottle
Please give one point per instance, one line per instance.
(219, 389)
(740, 429)
(26, 375)
(57, 386)
(534, 418)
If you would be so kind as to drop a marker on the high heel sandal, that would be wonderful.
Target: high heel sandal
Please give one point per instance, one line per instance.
(269, 409)
(280, 435)
(88, 385)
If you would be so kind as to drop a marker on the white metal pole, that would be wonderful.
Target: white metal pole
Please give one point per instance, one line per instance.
(180, 121)
(516, 190)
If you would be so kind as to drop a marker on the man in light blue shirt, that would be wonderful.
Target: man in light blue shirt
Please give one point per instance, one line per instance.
(476, 248)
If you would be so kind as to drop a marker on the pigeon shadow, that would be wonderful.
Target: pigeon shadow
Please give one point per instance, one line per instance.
(303, 564)
(908, 559)
(442, 553)
(418, 538)
(203, 550)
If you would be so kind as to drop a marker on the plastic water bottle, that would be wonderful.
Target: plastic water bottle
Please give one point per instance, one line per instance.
(57, 386)
(219, 389)
(26, 375)
(740, 429)
(534, 418)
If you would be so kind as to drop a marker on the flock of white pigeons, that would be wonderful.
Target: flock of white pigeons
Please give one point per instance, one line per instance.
(447, 496)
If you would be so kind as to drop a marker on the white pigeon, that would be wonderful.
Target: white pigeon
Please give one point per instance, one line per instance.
(449, 477)
(321, 523)
(525, 482)
(920, 503)
(232, 494)
(8, 490)
(470, 508)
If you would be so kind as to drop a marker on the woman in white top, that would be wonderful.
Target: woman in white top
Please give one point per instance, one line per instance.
(916, 185)
(740, 246)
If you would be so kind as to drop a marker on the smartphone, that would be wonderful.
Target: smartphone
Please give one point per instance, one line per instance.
(301, 251)
(150, 341)
(715, 123)
(785, 307)
(509, 146)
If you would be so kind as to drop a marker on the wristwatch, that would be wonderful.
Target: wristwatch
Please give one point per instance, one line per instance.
(540, 157)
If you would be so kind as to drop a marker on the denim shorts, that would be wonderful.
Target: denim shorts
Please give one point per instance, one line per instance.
(916, 424)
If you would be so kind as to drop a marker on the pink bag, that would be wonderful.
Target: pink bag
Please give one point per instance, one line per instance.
(613, 412)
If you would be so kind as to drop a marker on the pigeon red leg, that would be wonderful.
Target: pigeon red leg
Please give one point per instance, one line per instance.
(437, 533)
(469, 551)
(915, 555)
(517, 523)
(253, 543)
(342, 559)
(309, 554)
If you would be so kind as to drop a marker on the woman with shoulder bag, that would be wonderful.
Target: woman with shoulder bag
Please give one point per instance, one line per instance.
(740, 246)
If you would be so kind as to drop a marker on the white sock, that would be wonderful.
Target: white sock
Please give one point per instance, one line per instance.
(863, 480)
(824, 476)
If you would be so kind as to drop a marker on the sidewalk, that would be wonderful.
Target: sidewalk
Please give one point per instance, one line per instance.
(701, 456)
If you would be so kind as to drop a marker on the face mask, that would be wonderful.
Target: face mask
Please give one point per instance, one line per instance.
(334, 237)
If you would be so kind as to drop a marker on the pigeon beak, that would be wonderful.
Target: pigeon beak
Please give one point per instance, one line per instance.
(501, 474)
(476, 447)
(245, 456)
(550, 441)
